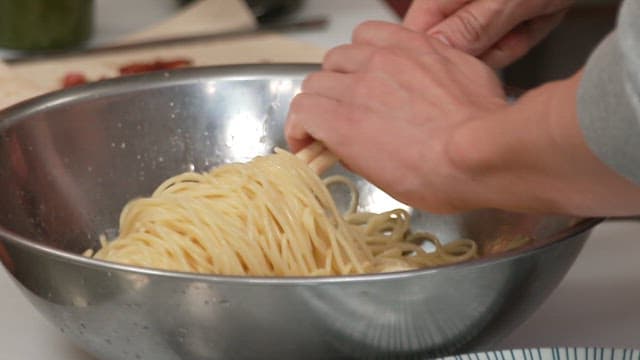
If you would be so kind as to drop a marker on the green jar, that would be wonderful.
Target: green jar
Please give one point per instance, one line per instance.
(45, 24)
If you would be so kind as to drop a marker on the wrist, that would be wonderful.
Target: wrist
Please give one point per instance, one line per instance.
(520, 148)
(532, 156)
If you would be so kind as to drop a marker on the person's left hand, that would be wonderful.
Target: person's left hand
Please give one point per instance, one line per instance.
(388, 106)
(496, 31)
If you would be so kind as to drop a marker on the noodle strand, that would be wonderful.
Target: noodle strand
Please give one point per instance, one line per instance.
(272, 216)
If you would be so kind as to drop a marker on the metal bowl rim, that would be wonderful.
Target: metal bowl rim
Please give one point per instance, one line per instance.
(242, 71)
(65, 256)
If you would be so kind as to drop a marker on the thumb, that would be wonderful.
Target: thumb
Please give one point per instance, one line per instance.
(475, 27)
(424, 14)
(517, 42)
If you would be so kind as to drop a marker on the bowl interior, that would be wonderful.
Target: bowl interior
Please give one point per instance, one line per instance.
(69, 161)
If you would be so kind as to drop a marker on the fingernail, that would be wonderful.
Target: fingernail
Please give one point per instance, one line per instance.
(442, 38)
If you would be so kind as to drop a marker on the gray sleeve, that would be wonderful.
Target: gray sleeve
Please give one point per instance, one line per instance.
(609, 96)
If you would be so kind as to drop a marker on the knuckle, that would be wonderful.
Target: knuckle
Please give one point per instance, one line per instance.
(309, 81)
(398, 32)
(363, 29)
(382, 59)
(389, 61)
(418, 41)
(412, 38)
(332, 55)
(469, 27)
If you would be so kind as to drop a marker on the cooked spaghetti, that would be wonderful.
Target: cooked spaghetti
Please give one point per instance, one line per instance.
(272, 216)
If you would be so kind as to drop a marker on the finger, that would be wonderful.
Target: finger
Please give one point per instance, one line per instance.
(477, 26)
(517, 43)
(360, 89)
(347, 58)
(390, 44)
(356, 58)
(312, 117)
(387, 35)
(424, 14)
(328, 84)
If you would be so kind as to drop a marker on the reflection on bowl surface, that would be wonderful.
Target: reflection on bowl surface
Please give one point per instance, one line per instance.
(70, 160)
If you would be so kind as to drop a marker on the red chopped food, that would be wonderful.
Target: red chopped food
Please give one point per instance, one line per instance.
(73, 79)
(143, 67)
(77, 78)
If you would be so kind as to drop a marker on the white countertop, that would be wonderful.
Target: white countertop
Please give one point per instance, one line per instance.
(595, 305)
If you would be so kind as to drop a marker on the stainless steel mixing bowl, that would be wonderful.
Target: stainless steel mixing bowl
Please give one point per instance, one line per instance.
(70, 160)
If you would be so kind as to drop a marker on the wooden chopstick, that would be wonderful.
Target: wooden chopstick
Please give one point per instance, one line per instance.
(318, 157)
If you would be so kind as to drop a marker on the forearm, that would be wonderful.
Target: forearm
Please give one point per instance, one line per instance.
(609, 101)
(536, 149)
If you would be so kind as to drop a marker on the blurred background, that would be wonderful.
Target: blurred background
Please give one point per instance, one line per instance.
(558, 56)
(52, 24)
(582, 311)
(565, 50)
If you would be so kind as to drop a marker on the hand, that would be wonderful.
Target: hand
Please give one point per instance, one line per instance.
(388, 105)
(496, 31)
(430, 125)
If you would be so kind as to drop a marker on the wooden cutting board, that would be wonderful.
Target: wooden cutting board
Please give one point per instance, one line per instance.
(203, 17)
(14, 88)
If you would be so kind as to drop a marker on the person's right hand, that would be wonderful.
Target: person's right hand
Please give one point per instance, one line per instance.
(496, 31)
(430, 125)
